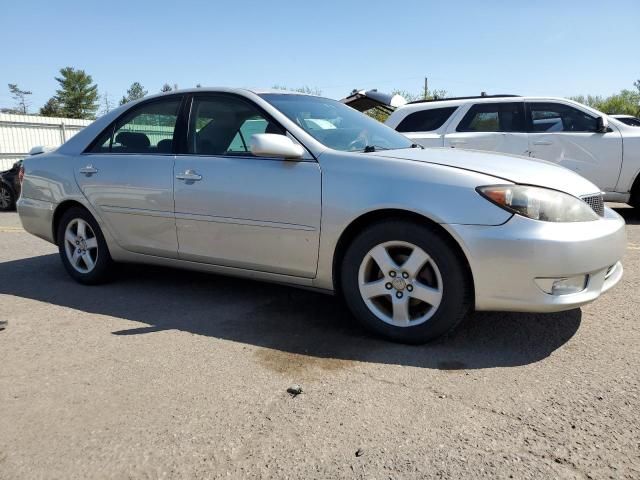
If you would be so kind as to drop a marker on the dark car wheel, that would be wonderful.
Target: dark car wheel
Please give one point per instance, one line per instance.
(82, 247)
(7, 198)
(405, 282)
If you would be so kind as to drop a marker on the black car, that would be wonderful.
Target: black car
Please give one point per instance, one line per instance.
(10, 187)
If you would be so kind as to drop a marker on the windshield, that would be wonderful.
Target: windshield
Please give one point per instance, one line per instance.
(336, 125)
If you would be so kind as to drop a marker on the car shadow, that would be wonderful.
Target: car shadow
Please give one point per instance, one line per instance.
(286, 319)
(631, 215)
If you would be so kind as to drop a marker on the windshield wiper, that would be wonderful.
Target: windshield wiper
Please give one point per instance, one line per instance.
(374, 148)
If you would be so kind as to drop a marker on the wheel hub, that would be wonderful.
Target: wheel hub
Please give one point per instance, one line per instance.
(399, 284)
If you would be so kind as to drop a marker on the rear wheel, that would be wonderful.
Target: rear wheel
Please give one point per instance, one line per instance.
(7, 198)
(404, 281)
(82, 247)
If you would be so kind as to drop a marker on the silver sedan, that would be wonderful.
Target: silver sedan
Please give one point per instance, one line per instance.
(306, 191)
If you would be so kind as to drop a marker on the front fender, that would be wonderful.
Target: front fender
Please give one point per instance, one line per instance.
(355, 185)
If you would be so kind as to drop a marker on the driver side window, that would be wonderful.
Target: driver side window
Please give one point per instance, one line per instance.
(224, 125)
(557, 117)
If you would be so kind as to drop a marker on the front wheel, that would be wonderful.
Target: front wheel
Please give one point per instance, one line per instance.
(405, 282)
(82, 247)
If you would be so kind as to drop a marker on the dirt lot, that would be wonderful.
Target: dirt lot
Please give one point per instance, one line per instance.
(170, 374)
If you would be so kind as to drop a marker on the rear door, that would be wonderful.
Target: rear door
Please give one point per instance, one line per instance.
(491, 126)
(566, 135)
(127, 175)
(237, 210)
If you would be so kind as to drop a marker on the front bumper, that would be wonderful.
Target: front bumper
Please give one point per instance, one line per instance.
(505, 260)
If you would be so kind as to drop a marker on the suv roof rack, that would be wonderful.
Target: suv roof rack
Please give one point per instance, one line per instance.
(463, 98)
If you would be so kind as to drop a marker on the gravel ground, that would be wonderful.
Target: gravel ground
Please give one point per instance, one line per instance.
(171, 374)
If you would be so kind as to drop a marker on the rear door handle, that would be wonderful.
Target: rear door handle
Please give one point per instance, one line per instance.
(457, 142)
(88, 170)
(542, 142)
(189, 176)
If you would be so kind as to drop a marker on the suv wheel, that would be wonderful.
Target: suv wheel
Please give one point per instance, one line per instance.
(402, 280)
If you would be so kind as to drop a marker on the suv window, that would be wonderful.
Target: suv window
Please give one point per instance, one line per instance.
(556, 117)
(148, 129)
(425, 120)
(224, 125)
(494, 117)
(634, 122)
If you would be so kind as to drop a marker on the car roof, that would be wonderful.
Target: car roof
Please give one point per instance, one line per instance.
(448, 102)
(257, 91)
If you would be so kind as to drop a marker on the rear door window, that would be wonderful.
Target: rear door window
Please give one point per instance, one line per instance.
(494, 117)
(425, 120)
(148, 129)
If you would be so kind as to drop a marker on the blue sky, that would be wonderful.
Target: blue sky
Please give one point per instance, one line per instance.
(533, 48)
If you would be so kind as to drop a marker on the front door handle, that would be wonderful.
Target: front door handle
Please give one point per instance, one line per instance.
(189, 176)
(542, 142)
(88, 170)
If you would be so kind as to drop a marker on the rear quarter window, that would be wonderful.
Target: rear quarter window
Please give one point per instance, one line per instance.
(425, 120)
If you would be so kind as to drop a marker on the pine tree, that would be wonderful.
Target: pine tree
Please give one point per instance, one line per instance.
(77, 95)
(51, 108)
(20, 96)
(135, 92)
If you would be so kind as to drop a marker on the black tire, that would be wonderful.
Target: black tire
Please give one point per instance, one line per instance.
(7, 198)
(457, 290)
(103, 265)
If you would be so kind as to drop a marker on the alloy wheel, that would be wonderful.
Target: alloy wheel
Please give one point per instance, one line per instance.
(400, 283)
(81, 245)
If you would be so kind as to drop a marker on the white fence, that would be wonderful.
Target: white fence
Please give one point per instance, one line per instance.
(20, 133)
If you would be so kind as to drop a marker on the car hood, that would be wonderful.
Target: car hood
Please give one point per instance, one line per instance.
(512, 168)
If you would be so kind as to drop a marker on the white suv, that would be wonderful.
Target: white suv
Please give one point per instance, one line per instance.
(591, 143)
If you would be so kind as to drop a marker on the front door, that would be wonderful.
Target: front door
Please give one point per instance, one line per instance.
(237, 210)
(128, 178)
(568, 136)
(492, 126)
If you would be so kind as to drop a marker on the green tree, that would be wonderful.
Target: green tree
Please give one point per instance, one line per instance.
(20, 97)
(627, 102)
(77, 95)
(51, 108)
(135, 92)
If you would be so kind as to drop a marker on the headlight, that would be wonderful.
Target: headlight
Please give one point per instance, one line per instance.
(539, 203)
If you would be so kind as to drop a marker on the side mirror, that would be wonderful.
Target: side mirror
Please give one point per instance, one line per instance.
(602, 125)
(40, 149)
(274, 145)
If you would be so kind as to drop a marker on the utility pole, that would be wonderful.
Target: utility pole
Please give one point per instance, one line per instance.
(426, 87)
